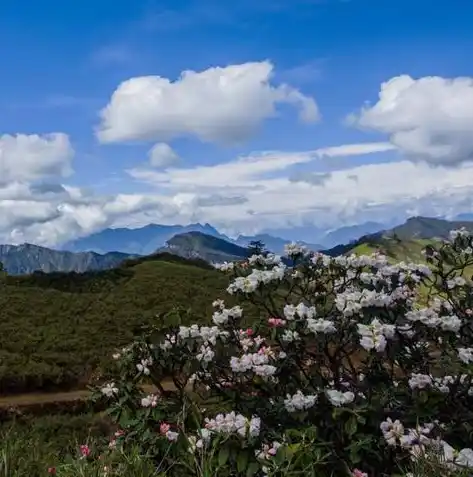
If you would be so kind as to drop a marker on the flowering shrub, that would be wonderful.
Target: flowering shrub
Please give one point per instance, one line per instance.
(353, 366)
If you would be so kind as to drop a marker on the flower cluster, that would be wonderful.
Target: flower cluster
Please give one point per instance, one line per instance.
(299, 402)
(337, 344)
(233, 423)
(418, 442)
(256, 362)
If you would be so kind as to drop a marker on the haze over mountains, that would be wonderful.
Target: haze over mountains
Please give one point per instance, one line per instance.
(107, 249)
(148, 239)
(28, 258)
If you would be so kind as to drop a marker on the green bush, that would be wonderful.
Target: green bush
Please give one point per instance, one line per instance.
(344, 371)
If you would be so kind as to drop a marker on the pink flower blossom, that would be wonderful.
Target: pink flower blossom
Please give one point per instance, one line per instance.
(164, 428)
(359, 473)
(276, 322)
(52, 471)
(85, 450)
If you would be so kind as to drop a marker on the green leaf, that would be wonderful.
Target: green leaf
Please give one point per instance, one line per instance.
(252, 469)
(242, 461)
(351, 426)
(423, 397)
(223, 456)
(361, 419)
(293, 448)
(354, 456)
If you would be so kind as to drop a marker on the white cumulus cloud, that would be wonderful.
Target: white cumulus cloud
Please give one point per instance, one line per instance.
(428, 119)
(161, 155)
(32, 157)
(219, 105)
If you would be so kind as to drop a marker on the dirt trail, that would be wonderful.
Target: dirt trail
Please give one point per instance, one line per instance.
(31, 399)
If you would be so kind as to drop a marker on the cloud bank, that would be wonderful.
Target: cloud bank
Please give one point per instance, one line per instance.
(426, 124)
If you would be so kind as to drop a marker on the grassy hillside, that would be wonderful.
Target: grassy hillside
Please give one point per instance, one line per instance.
(427, 228)
(55, 329)
(207, 247)
(404, 242)
(395, 250)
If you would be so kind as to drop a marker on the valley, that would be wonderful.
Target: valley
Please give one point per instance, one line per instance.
(58, 329)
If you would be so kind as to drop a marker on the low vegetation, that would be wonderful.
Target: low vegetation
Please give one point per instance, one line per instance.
(330, 367)
(58, 329)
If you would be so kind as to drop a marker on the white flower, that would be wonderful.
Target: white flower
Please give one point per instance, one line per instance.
(392, 431)
(225, 266)
(268, 451)
(233, 423)
(172, 436)
(222, 316)
(466, 355)
(419, 381)
(374, 336)
(299, 402)
(218, 304)
(465, 458)
(265, 370)
(339, 398)
(254, 426)
(290, 336)
(301, 311)
(456, 282)
(451, 323)
(206, 354)
(320, 326)
(142, 367)
(149, 401)
(293, 249)
(109, 390)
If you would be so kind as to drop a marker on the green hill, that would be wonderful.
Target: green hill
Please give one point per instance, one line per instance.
(427, 228)
(207, 247)
(55, 329)
(404, 242)
(396, 250)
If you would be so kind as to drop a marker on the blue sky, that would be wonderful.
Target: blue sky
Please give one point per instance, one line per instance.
(64, 60)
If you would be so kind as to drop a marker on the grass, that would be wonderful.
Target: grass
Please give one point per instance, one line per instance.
(57, 329)
(395, 250)
(30, 445)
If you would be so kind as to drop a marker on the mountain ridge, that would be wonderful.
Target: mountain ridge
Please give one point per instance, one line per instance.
(147, 239)
(28, 258)
(417, 228)
(204, 246)
(211, 246)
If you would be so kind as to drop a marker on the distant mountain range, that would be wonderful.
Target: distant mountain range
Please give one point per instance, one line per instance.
(27, 258)
(349, 233)
(140, 241)
(205, 242)
(146, 240)
(274, 244)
